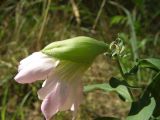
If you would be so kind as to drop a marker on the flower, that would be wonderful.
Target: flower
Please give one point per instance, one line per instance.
(62, 65)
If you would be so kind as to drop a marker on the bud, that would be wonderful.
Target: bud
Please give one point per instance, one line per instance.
(78, 49)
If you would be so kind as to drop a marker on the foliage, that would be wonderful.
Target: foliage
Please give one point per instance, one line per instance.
(147, 106)
(29, 25)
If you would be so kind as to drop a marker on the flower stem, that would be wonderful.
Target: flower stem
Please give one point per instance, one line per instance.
(120, 67)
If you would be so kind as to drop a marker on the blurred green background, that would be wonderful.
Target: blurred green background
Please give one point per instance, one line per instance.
(27, 26)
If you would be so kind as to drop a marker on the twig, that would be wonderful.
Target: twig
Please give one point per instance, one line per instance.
(99, 14)
(120, 67)
(43, 24)
(76, 11)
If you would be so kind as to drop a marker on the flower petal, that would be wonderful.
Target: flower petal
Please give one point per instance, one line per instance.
(67, 93)
(34, 72)
(50, 83)
(51, 103)
(35, 67)
(77, 99)
(33, 56)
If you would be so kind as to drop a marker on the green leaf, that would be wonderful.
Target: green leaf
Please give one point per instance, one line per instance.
(119, 88)
(132, 71)
(149, 104)
(142, 110)
(115, 82)
(153, 63)
(117, 20)
(154, 88)
(104, 86)
(139, 3)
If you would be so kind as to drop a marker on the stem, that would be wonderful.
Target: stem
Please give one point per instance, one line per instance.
(99, 14)
(76, 11)
(120, 67)
(45, 14)
(123, 75)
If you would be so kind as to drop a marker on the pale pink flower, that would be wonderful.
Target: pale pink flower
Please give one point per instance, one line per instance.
(62, 88)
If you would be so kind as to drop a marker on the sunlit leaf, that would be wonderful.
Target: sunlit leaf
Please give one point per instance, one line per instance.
(142, 110)
(117, 20)
(153, 63)
(104, 86)
(119, 88)
(149, 104)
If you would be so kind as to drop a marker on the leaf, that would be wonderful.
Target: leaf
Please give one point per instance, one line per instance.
(139, 3)
(153, 63)
(119, 88)
(149, 104)
(154, 88)
(142, 110)
(106, 118)
(104, 86)
(132, 71)
(115, 82)
(117, 20)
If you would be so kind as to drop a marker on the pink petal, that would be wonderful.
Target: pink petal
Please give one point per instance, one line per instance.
(66, 96)
(34, 72)
(60, 97)
(50, 83)
(77, 98)
(35, 67)
(51, 103)
(33, 56)
(71, 95)
(34, 59)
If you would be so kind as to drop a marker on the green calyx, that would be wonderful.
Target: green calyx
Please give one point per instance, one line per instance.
(78, 49)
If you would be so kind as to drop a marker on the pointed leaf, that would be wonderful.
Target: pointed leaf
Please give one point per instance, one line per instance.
(154, 89)
(153, 63)
(142, 110)
(121, 89)
(149, 104)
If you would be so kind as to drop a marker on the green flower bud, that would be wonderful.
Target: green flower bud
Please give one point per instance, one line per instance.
(78, 49)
